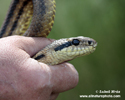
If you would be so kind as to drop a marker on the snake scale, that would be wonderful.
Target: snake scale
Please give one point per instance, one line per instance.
(35, 18)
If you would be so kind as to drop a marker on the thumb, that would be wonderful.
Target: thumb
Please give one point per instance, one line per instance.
(31, 45)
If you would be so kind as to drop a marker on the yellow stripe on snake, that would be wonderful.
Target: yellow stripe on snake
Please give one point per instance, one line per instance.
(35, 18)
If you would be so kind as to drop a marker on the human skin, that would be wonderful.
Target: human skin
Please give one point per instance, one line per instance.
(23, 78)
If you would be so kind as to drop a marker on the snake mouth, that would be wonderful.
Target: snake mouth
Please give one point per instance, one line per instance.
(95, 45)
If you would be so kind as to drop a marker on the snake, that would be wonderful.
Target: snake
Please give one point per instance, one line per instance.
(35, 18)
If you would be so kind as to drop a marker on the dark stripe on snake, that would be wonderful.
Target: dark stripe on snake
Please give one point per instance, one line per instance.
(17, 18)
(37, 26)
(42, 12)
(9, 16)
(67, 44)
(39, 57)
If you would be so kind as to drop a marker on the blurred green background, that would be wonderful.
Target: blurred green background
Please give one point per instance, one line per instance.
(102, 20)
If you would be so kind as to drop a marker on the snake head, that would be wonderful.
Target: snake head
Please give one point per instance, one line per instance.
(79, 46)
(66, 49)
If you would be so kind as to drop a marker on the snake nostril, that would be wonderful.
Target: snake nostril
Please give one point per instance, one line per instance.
(90, 42)
(75, 42)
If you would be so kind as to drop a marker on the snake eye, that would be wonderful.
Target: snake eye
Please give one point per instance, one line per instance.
(75, 42)
(90, 42)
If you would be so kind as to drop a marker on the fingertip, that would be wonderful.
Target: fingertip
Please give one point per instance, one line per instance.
(64, 77)
(74, 71)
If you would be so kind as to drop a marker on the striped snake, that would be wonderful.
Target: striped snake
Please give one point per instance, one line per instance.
(35, 18)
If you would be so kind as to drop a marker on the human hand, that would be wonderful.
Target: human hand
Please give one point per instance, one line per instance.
(23, 78)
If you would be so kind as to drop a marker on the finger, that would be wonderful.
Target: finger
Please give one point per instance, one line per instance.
(31, 45)
(64, 77)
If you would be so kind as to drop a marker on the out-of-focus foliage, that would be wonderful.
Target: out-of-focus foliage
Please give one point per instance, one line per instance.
(103, 20)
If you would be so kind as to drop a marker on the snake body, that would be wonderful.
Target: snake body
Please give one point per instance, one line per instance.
(36, 18)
